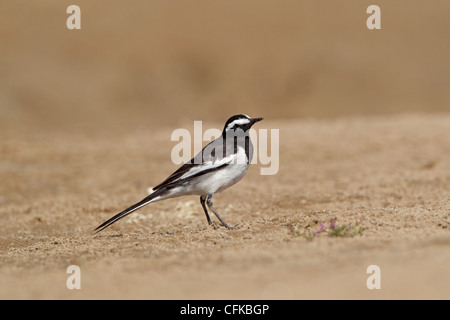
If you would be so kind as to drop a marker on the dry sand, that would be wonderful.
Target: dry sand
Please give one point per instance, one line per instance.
(392, 171)
(85, 124)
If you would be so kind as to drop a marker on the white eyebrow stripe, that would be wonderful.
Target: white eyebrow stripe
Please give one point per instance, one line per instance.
(238, 122)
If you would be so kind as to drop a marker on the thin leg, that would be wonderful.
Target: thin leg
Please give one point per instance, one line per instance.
(202, 201)
(211, 207)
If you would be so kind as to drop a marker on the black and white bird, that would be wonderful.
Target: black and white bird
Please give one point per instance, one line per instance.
(219, 165)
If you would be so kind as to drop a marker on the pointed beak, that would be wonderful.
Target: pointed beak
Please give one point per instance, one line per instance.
(254, 120)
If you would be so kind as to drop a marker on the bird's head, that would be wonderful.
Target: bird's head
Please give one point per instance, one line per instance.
(240, 122)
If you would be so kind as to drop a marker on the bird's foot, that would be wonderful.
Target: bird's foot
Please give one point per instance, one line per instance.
(228, 227)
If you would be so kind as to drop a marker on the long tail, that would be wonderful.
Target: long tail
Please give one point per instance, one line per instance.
(131, 209)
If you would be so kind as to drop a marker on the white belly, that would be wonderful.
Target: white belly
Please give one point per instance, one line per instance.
(222, 179)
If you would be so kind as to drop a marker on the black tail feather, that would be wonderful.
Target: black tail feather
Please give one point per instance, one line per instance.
(129, 210)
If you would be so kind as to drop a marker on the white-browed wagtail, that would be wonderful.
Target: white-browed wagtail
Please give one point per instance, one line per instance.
(219, 165)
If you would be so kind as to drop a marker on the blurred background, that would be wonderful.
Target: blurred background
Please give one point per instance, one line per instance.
(166, 63)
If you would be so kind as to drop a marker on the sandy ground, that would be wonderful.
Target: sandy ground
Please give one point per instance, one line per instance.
(86, 118)
(389, 175)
